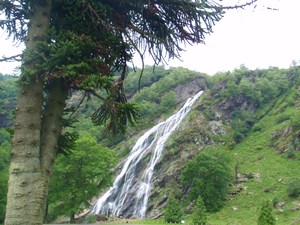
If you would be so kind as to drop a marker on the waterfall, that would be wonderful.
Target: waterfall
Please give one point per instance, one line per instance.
(128, 196)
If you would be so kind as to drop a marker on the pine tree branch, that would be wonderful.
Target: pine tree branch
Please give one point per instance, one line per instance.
(242, 6)
(13, 58)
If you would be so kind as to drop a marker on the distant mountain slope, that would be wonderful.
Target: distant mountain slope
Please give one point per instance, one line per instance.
(254, 116)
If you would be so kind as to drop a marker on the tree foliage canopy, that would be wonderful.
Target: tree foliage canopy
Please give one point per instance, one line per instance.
(173, 212)
(80, 176)
(199, 213)
(208, 176)
(88, 42)
(3, 180)
(98, 37)
(266, 216)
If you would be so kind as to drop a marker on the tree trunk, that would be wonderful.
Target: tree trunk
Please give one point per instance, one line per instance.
(36, 131)
(32, 158)
(72, 218)
(51, 130)
(25, 184)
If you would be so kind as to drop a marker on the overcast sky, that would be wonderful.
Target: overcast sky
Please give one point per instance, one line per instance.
(257, 38)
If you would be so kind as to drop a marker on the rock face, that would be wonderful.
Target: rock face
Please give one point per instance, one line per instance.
(101, 217)
(182, 146)
(186, 91)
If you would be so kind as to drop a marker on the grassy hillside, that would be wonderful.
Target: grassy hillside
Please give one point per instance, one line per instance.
(274, 171)
(258, 154)
(254, 117)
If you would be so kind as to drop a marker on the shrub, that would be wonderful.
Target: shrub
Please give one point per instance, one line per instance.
(266, 216)
(257, 127)
(173, 212)
(282, 117)
(209, 176)
(199, 214)
(275, 201)
(90, 219)
(290, 152)
(293, 188)
(295, 121)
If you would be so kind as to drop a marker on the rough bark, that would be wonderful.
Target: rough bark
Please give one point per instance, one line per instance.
(52, 125)
(24, 181)
(51, 130)
(28, 182)
(32, 159)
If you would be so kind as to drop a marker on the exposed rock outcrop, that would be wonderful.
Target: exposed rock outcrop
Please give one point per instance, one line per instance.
(186, 91)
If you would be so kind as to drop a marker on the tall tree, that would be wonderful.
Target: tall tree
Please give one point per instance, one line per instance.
(208, 175)
(173, 212)
(199, 213)
(79, 177)
(80, 45)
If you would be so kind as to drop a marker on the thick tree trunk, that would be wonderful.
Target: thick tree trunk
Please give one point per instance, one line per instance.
(33, 156)
(29, 168)
(25, 184)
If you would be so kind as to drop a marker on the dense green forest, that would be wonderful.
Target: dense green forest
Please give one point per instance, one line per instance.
(238, 149)
(8, 88)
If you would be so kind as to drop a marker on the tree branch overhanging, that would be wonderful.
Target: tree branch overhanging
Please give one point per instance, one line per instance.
(239, 6)
(13, 58)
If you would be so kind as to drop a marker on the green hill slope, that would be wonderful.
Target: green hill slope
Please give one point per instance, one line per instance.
(259, 155)
(254, 117)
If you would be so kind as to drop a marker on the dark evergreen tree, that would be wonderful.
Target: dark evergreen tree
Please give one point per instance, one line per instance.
(173, 212)
(199, 214)
(266, 216)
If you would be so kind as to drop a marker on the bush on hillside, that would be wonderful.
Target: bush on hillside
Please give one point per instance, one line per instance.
(199, 215)
(293, 188)
(291, 152)
(173, 212)
(295, 121)
(266, 216)
(209, 176)
(282, 117)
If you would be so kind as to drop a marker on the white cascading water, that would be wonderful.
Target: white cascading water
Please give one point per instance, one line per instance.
(125, 186)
